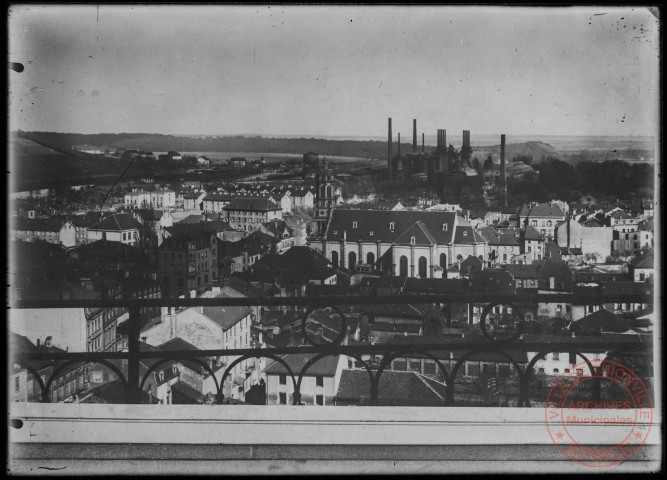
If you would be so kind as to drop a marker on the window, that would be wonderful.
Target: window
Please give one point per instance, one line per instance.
(283, 379)
(465, 233)
(334, 259)
(555, 370)
(392, 226)
(559, 309)
(17, 384)
(354, 224)
(319, 399)
(412, 240)
(370, 233)
(283, 398)
(555, 356)
(444, 227)
(403, 266)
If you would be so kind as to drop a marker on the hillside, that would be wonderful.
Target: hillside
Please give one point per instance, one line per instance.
(539, 151)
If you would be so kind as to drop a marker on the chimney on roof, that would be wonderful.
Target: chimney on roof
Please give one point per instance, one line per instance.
(47, 341)
(39, 343)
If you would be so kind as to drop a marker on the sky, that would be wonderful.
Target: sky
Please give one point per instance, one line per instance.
(334, 71)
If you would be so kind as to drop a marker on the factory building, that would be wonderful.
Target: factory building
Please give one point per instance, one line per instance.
(453, 170)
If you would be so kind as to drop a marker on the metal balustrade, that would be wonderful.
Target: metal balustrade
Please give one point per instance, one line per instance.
(490, 341)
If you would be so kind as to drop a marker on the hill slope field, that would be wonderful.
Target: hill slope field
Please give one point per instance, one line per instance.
(539, 151)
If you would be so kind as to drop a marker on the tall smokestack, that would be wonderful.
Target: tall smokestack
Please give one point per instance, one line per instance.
(503, 170)
(441, 150)
(423, 150)
(399, 144)
(414, 134)
(389, 148)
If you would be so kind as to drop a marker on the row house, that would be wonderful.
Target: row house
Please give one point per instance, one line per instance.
(138, 199)
(36, 229)
(406, 243)
(216, 202)
(247, 213)
(542, 216)
(163, 198)
(194, 201)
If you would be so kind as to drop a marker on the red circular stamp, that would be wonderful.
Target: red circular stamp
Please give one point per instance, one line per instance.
(603, 428)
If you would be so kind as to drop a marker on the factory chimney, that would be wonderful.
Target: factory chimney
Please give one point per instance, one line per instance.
(441, 151)
(399, 162)
(503, 170)
(389, 149)
(399, 145)
(465, 149)
(414, 135)
(423, 150)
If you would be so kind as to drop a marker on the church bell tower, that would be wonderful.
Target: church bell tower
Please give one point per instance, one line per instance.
(326, 197)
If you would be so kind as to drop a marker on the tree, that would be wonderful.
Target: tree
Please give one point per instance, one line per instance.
(476, 165)
(488, 163)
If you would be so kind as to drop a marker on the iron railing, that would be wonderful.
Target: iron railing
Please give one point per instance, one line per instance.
(466, 348)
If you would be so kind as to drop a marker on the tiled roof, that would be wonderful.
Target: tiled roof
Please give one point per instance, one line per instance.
(493, 281)
(37, 224)
(542, 210)
(602, 320)
(257, 204)
(467, 234)
(626, 288)
(326, 367)
(118, 222)
(378, 222)
(644, 261)
(523, 271)
(394, 388)
(226, 317)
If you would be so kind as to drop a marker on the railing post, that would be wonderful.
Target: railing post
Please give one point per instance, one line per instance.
(133, 393)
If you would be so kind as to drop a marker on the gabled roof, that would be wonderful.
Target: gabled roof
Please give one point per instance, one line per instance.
(643, 261)
(378, 222)
(226, 317)
(395, 388)
(602, 321)
(117, 222)
(493, 281)
(542, 210)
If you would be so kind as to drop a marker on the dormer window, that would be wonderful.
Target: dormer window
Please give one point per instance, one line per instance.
(335, 232)
(370, 233)
(354, 224)
(444, 227)
(391, 226)
(412, 240)
(465, 233)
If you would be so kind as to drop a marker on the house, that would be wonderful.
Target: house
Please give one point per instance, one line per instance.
(66, 382)
(247, 213)
(283, 234)
(36, 229)
(187, 262)
(302, 197)
(589, 236)
(138, 199)
(642, 267)
(555, 277)
(238, 162)
(319, 383)
(203, 161)
(120, 227)
(542, 216)
(292, 271)
(163, 198)
(194, 201)
(173, 155)
(215, 202)
(403, 243)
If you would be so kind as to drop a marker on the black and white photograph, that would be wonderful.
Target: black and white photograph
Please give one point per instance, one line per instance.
(264, 239)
